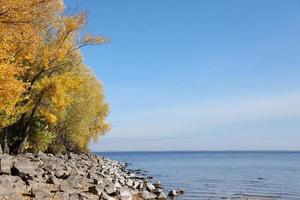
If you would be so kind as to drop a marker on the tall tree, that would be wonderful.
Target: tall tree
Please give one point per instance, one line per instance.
(39, 52)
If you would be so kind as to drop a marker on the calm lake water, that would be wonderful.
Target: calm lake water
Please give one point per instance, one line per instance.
(221, 175)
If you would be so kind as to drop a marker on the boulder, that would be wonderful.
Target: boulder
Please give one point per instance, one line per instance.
(162, 196)
(75, 196)
(125, 194)
(150, 187)
(105, 196)
(96, 190)
(110, 189)
(11, 185)
(5, 164)
(24, 168)
(41, 193)
(172, 193)
(158, 184)
(148, 195)
(180, 191)
(62, 196)
(52, 180)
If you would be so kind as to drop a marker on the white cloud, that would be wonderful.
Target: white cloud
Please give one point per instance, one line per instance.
(194, 117)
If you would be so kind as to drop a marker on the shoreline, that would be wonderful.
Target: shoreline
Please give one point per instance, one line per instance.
(73, 177)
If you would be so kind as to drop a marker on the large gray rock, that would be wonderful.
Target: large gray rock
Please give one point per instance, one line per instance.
(70, 186)
(125, 194)
(62, 196)
(96, 190)
(173, 193)
(105, 196)
(5, 164)
(150, 187)
(148, 195)
(162, 196)
(11, 185)
(24, 168)
(41, 193)
(110, 189)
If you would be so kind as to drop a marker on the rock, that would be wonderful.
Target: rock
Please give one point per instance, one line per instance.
(150, 187)
(110, 189)
(97, 181)
(158, 184)
(76, 177)
(147, 195)
(40, 193)
(10, 185)
(129, 183)
(172, 193)
(105, 196)
(180, 191)
(125, 194)
(5, 164)
(52, 180)
(62, 196)
(96, 190)
(75, 196)
(162, 196)
(69, 186)
(24, 168)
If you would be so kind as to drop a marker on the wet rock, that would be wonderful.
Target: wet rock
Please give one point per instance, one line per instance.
(172, 193)
(158, 184)
(162, 196)
(180, 191)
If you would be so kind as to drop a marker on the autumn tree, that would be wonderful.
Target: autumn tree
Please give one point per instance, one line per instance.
(39, 76)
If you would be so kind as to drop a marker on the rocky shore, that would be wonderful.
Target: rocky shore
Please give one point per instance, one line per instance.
(73, 177)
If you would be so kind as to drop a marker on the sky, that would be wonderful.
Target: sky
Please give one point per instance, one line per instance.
(197, 75)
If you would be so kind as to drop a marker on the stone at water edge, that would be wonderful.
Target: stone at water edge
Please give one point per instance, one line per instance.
(148, 195)
(162, 196)
(180, 191)
(172, 193)
(150, 186)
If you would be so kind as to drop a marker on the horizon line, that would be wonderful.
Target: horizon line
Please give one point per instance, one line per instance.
(204, 151)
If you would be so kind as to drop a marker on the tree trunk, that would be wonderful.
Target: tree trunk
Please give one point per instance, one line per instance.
(27, 127)
(1, 150)
(5, 142)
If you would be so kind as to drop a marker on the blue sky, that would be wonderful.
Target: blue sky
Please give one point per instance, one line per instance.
(197, 75)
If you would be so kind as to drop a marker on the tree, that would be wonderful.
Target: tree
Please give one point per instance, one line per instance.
(39, 56)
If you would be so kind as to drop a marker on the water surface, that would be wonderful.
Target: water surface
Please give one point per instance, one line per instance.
(221, 175)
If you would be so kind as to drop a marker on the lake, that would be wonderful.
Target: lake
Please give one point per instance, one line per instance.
(221, 175)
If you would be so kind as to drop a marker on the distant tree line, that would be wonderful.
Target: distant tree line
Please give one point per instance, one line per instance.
(49, 100)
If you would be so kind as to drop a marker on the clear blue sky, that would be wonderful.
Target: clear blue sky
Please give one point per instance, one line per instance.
(198, 75)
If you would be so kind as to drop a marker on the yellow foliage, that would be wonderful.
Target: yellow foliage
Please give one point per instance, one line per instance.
(42, 77)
